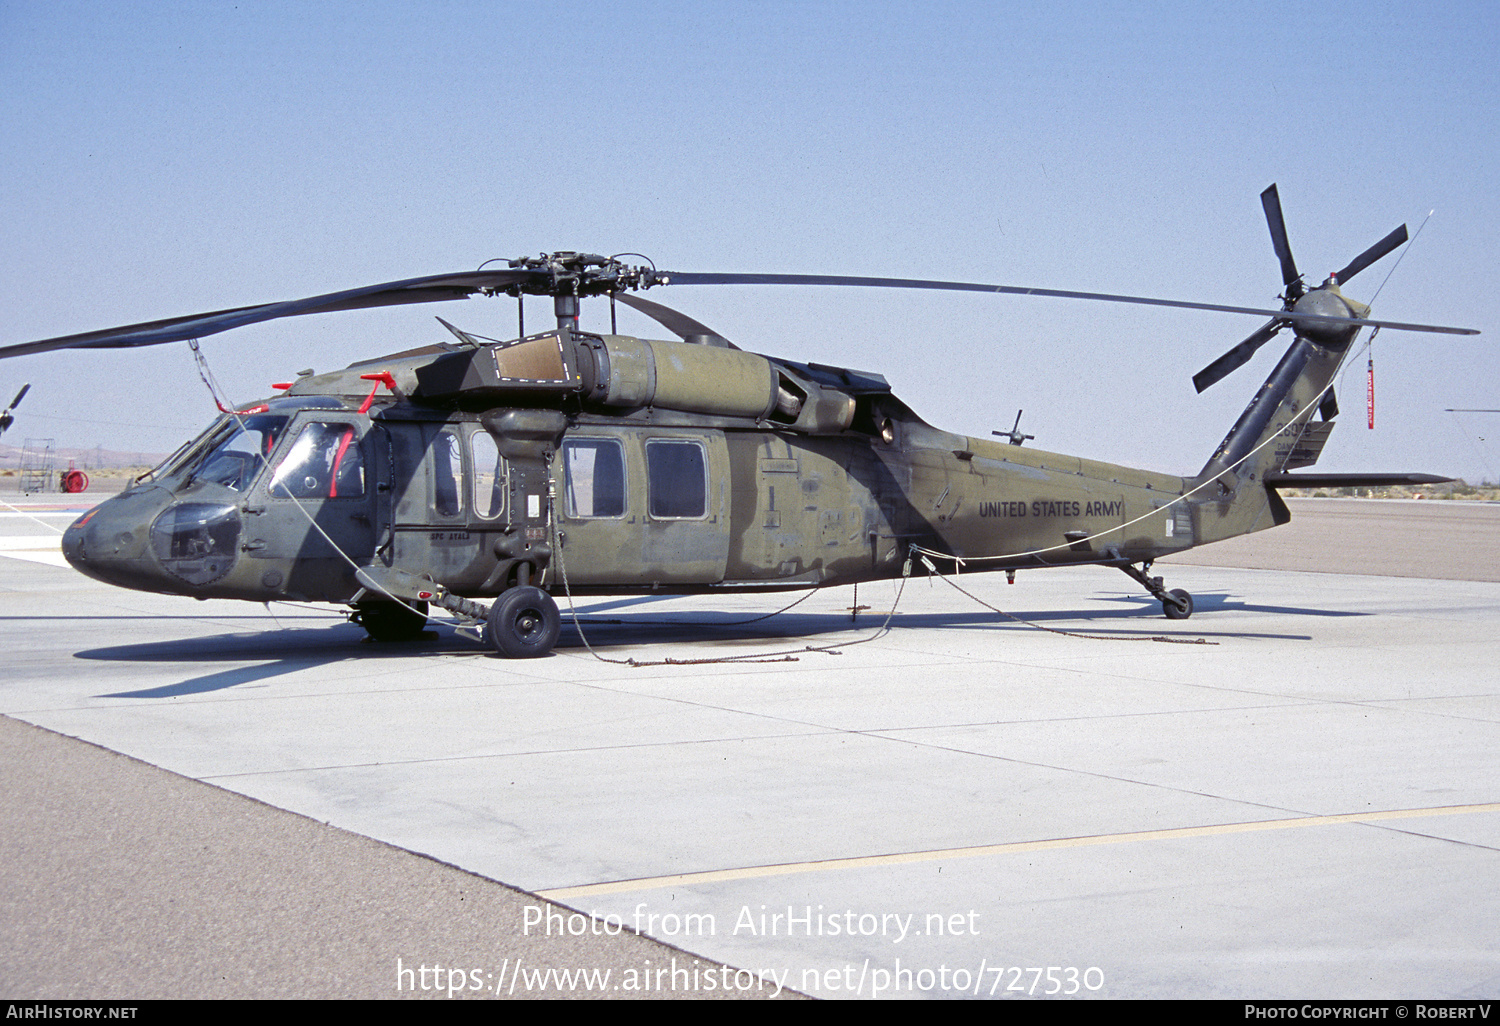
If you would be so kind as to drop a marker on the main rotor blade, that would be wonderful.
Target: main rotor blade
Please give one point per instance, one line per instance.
(1238, 356)
(695, 278)
(1372, 254)
(428, 289)
(1270, 200)
(680, 324)
(543, 281)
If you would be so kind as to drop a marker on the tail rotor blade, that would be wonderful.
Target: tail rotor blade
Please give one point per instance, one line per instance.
(1238, 356)
(1372, 254)
(1329, 407)
(19, 395)
(1271, 201)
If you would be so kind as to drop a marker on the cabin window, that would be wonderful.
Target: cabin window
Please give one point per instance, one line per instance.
(677, 479)
(448, 474)
(595, 471)
(489, 475)
(323, 462)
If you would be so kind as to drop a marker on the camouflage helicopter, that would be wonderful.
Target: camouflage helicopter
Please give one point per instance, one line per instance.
(481, 477)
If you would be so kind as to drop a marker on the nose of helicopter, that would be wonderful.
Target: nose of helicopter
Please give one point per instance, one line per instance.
(110, 542)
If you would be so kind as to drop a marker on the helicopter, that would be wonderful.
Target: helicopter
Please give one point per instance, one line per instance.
(481, 477)
(8, 415)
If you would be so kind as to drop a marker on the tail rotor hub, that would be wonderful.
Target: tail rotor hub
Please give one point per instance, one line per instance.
(1326, 302)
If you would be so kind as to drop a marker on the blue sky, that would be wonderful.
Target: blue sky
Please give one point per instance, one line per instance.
(161, 159)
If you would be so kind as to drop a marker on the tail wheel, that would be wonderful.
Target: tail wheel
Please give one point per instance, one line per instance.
(1178, 605)
(524, 623)
(391, 621)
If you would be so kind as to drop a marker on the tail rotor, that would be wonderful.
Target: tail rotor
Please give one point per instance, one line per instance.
(1298, 299)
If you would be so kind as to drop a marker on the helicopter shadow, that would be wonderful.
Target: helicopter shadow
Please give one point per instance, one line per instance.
(291, 649)
(302, 648)
(791, 627)
(1224, 602)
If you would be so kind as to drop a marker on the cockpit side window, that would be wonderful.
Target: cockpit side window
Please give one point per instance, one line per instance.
(323, 462)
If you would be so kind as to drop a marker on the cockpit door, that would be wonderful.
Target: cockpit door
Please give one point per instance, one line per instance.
(312, 515)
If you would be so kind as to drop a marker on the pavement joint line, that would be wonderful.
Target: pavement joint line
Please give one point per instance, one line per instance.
(1016, 847)
(526, 754)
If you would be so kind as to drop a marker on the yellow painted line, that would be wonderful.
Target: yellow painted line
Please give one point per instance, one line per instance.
(903, 858)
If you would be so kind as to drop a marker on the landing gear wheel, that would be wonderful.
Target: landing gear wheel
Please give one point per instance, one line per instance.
(391, 621)
(1178, 605)
(524, 623)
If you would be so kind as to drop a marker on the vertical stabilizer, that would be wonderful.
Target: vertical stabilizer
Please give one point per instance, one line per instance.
(1277, 431)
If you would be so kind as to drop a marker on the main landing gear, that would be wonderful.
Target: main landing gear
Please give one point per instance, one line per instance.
(523, 623)
(391, 621)
(1176, 604)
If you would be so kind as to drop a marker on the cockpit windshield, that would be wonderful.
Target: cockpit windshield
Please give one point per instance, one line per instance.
(235, 448)
(234, 461)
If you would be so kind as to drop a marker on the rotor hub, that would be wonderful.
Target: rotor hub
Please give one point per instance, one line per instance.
(566, 273)
(1327, 301)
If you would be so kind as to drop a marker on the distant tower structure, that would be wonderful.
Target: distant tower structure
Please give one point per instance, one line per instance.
(36, 465)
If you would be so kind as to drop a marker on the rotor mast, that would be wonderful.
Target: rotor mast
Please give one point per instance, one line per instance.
(567, 276)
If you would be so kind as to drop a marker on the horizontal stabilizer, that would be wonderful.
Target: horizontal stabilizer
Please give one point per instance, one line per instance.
(1310, 446)
(1351, 480)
